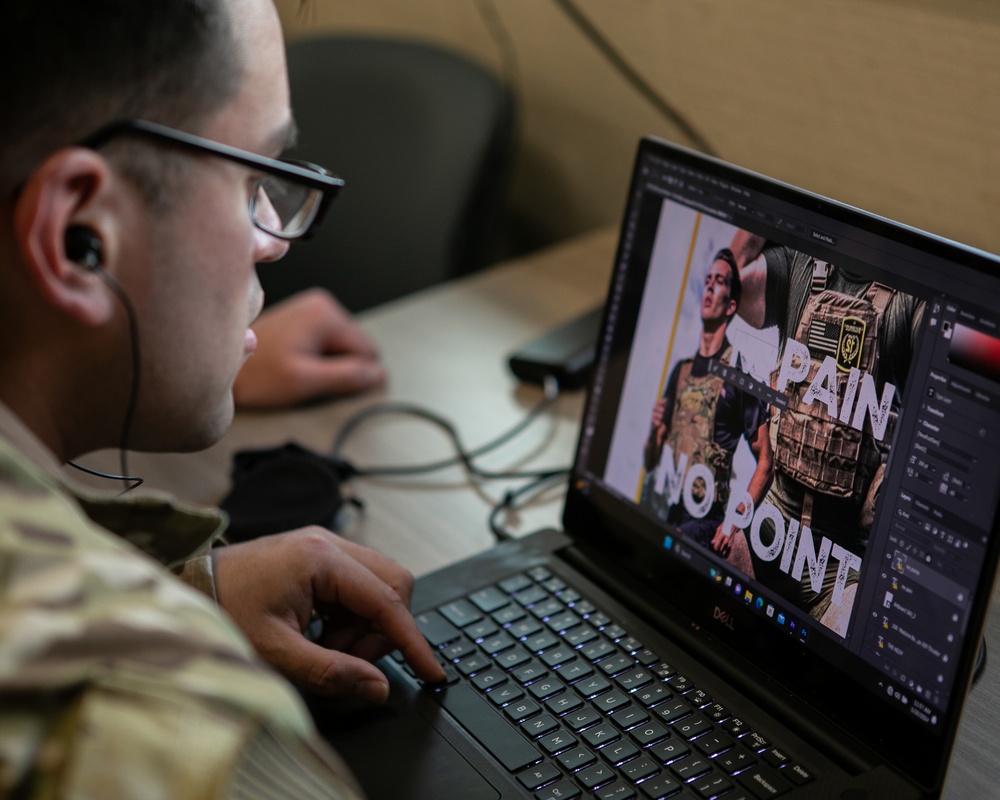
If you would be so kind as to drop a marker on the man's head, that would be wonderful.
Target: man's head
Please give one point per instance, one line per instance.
(172, 226)
(720, 297)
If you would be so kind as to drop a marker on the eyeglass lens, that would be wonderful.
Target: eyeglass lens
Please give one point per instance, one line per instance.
(283, 207)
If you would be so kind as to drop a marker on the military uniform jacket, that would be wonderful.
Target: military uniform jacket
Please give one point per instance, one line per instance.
(117, 679)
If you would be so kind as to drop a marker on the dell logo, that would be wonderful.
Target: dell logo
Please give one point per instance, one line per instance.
(724, 617)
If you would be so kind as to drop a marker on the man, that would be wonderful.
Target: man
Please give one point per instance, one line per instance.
(699, 422)
(127, 287)
(868, 327)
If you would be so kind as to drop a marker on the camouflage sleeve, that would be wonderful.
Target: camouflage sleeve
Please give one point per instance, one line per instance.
(118, 680)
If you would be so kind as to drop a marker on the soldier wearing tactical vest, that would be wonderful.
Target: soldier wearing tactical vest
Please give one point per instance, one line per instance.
(827, 473)
(700, 420)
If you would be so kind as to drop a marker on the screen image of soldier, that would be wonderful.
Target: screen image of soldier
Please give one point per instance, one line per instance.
(697, 425)
(846, 343)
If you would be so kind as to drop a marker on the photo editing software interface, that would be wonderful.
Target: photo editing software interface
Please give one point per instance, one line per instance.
(818, 441)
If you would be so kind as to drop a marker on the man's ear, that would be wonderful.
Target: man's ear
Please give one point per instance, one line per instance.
(61, 227)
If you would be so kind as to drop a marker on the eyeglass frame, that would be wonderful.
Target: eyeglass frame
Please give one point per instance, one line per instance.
(312, 175)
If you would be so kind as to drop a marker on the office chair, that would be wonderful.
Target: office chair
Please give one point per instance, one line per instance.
(422, 138)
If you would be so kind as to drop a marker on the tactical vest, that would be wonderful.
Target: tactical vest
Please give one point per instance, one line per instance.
(692, 429)
(823, 454)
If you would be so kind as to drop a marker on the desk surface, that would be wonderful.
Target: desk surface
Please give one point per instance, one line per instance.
(446, 348)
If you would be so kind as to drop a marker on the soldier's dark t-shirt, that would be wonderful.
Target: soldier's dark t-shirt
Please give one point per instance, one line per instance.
(737, 414)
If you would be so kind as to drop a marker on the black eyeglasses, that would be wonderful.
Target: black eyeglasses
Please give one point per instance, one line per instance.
(289, 200)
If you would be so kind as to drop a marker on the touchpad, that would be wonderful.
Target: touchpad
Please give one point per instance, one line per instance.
(404, 758)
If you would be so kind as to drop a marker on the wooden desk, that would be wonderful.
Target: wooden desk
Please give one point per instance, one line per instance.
(445, 348)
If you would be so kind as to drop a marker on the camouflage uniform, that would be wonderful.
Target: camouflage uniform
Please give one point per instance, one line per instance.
(826, 472)
(116, 678)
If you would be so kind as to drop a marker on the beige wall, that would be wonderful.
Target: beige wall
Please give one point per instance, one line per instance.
(890, 105)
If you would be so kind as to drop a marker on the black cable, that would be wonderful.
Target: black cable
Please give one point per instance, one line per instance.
(639, 83)
(463, 456)
(131, 481)
(539, 485)
(509, 62)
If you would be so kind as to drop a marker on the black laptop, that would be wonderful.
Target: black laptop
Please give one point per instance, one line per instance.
(779, 538)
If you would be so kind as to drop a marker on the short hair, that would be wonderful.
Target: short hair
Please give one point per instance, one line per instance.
(735, 282)
(68, 67)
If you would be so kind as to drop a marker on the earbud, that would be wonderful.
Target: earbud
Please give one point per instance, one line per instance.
(83, 247)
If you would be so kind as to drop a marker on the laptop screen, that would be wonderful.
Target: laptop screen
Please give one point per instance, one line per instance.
(790, 434)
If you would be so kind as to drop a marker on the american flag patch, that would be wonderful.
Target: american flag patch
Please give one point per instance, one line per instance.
(823, 336)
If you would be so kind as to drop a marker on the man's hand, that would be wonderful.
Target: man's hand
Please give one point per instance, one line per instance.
(271, 586)
(308, 346)
(659, 410)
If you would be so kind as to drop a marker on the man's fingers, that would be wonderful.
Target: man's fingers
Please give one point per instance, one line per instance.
(357, 589)
(339, 374)
(328, 672)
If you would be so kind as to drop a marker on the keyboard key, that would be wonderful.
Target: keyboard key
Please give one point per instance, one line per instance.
(458, 649)
(670, 750)
(541, 641)
(525, 628)
(562, 790)
(735, 760)
(556, 742)
(601, 734)
(580, 636)
(489, 679)
(597, 651)
(672, 710)
(775, 757)
(539, 574)
(690, 767)
(736, 726)
(506, 744)
(692, 726)
(513, 658)
(547, 608)
(561, 623)
(568, 596)
(584, 608)
(616, 664)
(763, 782)
(529, 672)
(564, 703)
(619, 790)
(646, 657)
(521, 710)
(515, 583)
(591, 687)
(698, 698)
(508, 615)
(630, 644)
(496, 644)
(798, 774)
(597, 775)
(619, 752)
(546, 688)
(609, 701)
(558, 656)
(681, 684)
(712, 786)
(634, 679)
(474, 664)
(539, 726)
(717, 712)
(573, 671)
(436, 629)
(639, 769)
(615, 632)
(660, 787)
(755, 741)
(714, 743)
(645, 735)
(489, 599)
(577, 758)
(531, 595)
(505, 694)
(599, 619)
(630, 715)
(664, 671)
(480, 630)
(584, 718)
(539, 775)
(653, 695)
(460, 613)
(553, 585)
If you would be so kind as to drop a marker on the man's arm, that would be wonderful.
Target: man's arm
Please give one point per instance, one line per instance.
(747, 248)
(760, 482)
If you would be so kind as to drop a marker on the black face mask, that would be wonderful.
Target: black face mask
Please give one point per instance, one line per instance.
(283, 488)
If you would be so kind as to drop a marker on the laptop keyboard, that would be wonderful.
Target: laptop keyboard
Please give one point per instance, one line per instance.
(575, 706)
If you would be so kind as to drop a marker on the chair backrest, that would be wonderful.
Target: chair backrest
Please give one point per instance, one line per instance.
(423, 139)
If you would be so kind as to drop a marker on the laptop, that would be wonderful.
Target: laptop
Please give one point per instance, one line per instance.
(779, 537)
